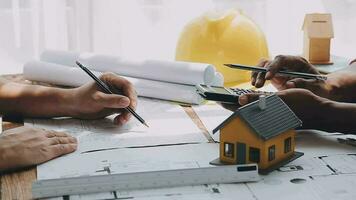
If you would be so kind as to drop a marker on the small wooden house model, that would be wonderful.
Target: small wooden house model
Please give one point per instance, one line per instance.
(261, 132)
(318, 31)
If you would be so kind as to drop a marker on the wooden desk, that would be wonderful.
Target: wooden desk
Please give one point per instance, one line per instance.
(17, 185)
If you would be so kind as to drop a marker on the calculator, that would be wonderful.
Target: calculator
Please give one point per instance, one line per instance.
(224, 95)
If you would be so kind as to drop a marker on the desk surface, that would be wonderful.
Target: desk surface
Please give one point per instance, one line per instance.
(17, 185)
(328, 170)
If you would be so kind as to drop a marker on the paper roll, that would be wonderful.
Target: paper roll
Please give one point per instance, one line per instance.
(66, 58)
(218, 80)
(70, 76)
(168, 71)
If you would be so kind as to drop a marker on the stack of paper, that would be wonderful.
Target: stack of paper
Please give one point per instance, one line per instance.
(168, 80)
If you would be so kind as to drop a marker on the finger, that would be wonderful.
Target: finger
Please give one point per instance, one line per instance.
(248, 98)
(254, 74)
(254, 77)
(274, 66)
(62, 140)
(61, 149)
(231, 107)
(122, 118)
(302, 83)
(260, 80)
(123, 84)
(111, 100)
(52, 133)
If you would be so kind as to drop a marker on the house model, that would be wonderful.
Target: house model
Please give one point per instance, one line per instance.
(318, 31)
(261, 132)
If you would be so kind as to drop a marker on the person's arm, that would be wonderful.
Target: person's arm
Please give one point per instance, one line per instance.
(35, 101)
(342, 84)
(86, 101)
(339, 86)
(315, 112)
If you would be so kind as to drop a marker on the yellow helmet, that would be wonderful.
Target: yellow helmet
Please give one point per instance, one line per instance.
(220, 38)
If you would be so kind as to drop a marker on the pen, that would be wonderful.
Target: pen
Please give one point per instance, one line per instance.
(283, 73)
(106, 89)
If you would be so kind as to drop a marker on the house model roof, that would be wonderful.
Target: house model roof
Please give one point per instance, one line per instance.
(318, 25)
(275, 119)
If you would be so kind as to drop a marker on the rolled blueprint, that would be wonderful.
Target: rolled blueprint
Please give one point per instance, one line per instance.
(218, 79)
(74, 76)
(168, 71)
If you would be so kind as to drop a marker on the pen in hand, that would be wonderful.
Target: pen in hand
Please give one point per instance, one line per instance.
(281, 73)
(107, 90)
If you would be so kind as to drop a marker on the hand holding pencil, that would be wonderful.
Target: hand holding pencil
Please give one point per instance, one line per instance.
(106, 89)
(299, 74)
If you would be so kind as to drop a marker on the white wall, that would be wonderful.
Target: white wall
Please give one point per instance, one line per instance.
(150, 28)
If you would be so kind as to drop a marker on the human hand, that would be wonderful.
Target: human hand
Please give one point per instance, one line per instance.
(26, 146)
(309, 107)
(289, 63)
(91, 103)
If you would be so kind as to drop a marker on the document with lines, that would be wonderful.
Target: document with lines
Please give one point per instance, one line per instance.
(169, 124)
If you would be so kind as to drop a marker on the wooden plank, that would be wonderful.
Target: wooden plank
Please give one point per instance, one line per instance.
(16, 185)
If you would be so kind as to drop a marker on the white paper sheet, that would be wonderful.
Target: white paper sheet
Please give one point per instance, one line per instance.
(341, 163)
(70, 76)
(340, 187)
(212, 115)
(169, 124)
(168, 71)
(318, 143)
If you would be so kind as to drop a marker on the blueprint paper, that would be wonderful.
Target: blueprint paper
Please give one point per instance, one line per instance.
(212, 115)
(144, 159)
(169, 124)
(128, 160)
(160, 70)
(341, 163)
(316, 143)
(63, 75)
(341, 187)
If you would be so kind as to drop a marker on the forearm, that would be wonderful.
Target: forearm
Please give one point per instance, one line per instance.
(342, 84)
(34, 101)
(337, 117)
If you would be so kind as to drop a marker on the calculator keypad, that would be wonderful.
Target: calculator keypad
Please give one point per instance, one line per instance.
(239, 91)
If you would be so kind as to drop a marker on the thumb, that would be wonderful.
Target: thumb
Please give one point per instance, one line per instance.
(248, 98)
(298, 83)
(112, 100)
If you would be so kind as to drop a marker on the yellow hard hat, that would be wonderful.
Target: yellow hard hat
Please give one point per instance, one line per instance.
(220, 38)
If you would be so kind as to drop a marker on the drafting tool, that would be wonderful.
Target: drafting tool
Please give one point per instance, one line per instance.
(106, 89)
(145, 180)
(282, 73)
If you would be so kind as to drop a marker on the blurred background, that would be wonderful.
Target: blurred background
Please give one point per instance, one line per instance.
(150, 28)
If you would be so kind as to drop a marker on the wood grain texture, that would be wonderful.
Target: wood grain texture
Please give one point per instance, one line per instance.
(16, 185)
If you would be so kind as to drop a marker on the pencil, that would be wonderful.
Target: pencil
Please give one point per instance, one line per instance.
(282, 73)
(107, 90)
